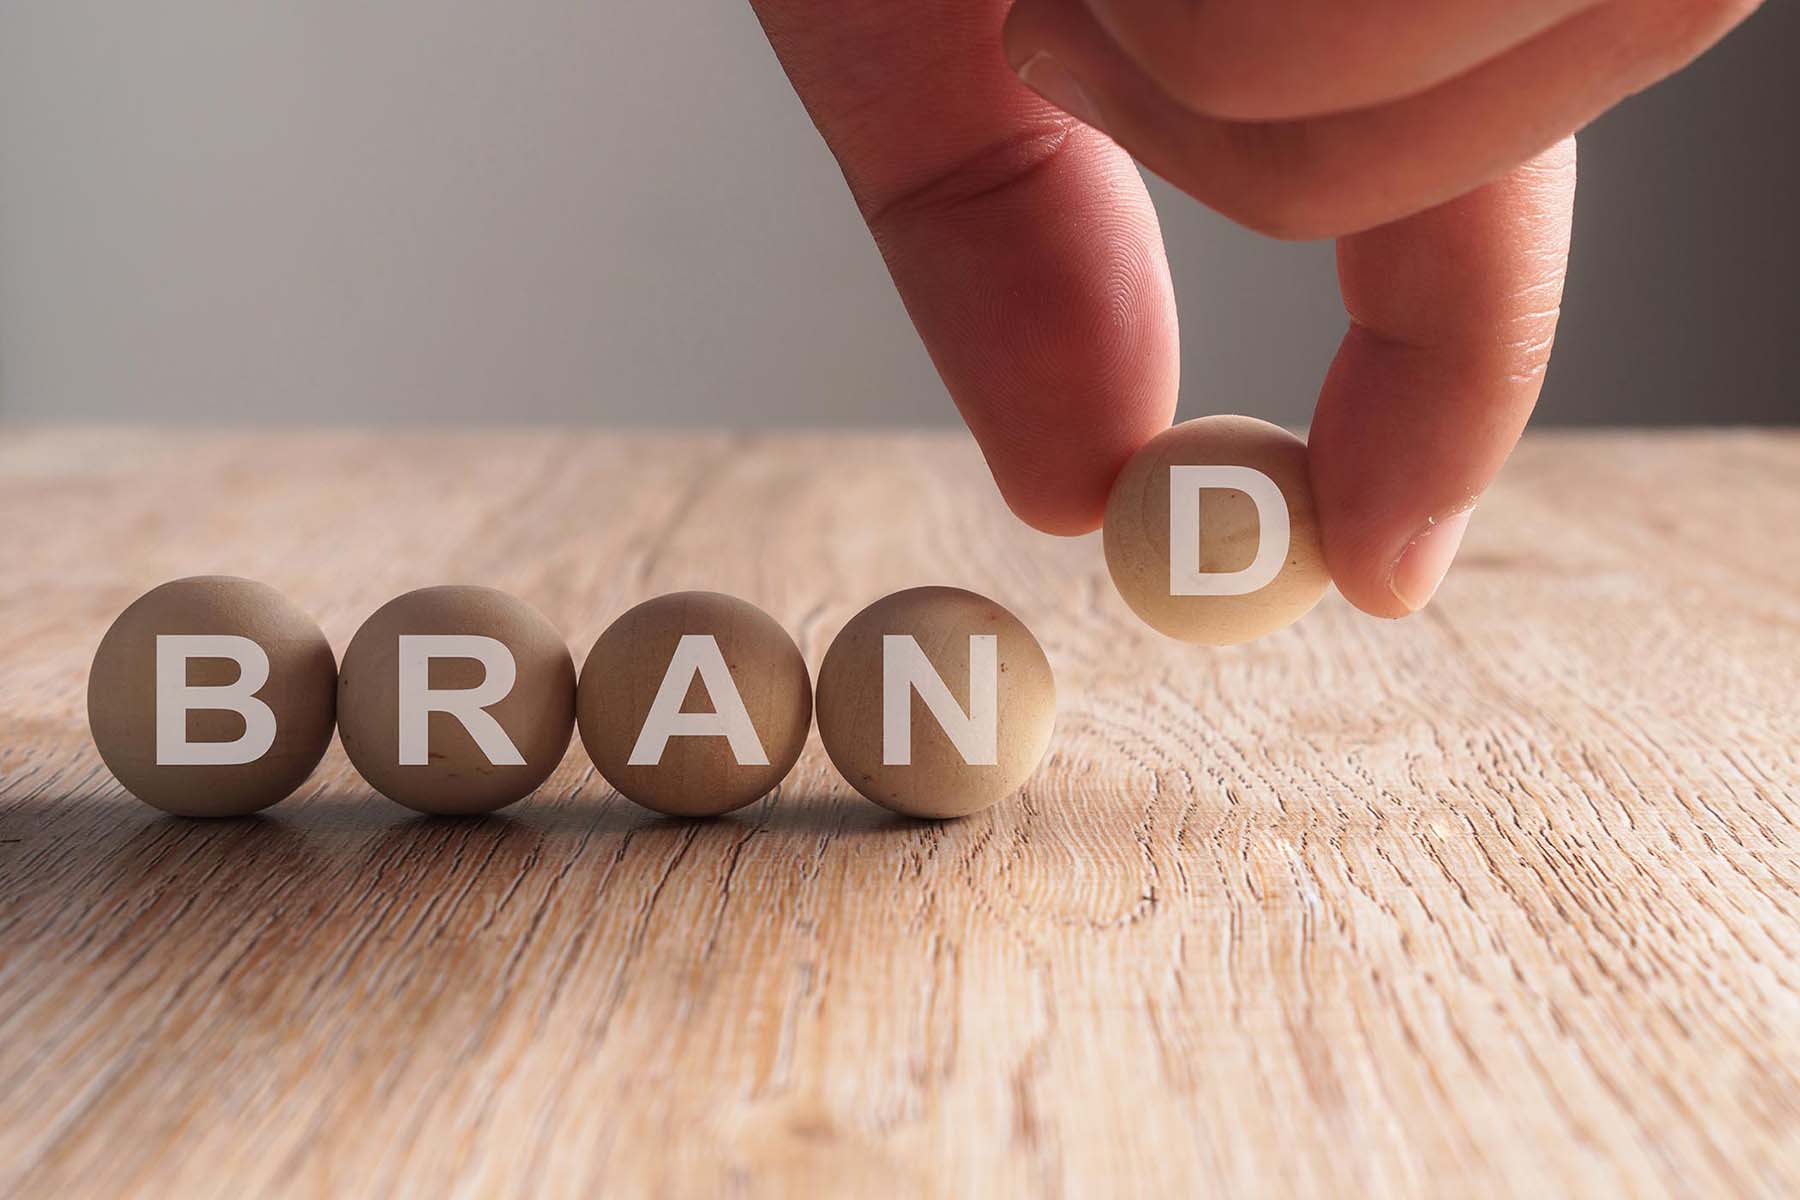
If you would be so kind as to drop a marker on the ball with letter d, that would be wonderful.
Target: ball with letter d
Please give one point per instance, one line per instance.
(1210, 534)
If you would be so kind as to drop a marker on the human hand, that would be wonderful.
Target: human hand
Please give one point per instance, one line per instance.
(1434, 140)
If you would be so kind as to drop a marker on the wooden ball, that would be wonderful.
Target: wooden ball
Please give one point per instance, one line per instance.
(176, 708)
(693, 704)
(936, 702)
(1210, 532)
(456, 700)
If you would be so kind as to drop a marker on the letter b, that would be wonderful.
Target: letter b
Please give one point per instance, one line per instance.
(175, 698)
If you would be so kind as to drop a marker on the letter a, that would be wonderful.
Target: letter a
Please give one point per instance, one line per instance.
(698, 652)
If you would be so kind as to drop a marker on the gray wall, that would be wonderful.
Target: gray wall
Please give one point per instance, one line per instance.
(456, 210)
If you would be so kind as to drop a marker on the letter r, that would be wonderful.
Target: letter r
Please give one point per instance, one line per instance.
(418, 699)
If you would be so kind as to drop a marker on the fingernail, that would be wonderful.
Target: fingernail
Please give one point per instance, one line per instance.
(1047, 77)
(1422, 565)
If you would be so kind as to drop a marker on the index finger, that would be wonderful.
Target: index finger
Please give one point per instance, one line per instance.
(1023, 244)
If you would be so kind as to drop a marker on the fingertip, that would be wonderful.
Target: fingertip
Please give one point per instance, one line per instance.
(1388, 582)
(1047, 306)
(1419, 571)
(1057, 479)
(1052, 515)
(1022, 34)
(1359, 552)
(1398, 454)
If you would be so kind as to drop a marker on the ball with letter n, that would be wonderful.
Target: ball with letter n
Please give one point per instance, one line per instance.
(936, 702)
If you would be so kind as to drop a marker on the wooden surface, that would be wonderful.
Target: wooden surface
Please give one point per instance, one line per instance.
(1500, 899)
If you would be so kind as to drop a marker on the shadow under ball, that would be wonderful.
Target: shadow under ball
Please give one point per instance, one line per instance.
(301, 692)
(939, 781)
(458, 778)
(695, 774)
(1137, 532)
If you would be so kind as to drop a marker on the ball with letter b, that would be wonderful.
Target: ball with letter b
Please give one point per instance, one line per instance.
(1210, 533)
(935, 702)
(456, 700)
(212, 697)
(694, 704)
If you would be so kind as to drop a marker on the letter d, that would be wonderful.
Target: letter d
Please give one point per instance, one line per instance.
(1185, 485)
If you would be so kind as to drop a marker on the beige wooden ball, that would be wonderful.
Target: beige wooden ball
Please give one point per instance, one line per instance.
(300, 694)
(464, 751)
(1244, 589)
(694, 704)
(902, 755)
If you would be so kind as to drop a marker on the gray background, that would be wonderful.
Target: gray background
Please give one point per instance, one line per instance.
(459, 211)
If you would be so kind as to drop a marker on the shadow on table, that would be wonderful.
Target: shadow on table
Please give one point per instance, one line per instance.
(104, 844)
(258, 923)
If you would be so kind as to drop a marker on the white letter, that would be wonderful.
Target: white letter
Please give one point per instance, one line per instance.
(1185, 576)
(174, 699)
(729, 719)
(904, 669)
(418, 700)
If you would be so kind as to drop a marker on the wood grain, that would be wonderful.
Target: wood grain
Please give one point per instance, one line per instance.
(1499, 900)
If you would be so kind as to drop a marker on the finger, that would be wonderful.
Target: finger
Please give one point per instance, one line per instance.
(1280, 59)
(1453, 313)
(1023, 244)
(1332, 175)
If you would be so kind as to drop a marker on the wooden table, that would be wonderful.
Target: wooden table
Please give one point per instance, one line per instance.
(1500, 899)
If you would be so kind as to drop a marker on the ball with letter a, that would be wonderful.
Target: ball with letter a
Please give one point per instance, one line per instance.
(694, 704)
(935, 702)
(1210, 533)
(212, 697)
(456, 699)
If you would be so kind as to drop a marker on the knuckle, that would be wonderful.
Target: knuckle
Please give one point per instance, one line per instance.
(1710, 15)
(1231, 95)
(1214, 59)
(1277, 213)
(991, 172)
(1679, 30)
(1278, 184)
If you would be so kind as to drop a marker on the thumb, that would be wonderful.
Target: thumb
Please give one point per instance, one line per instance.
(1022, 242)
